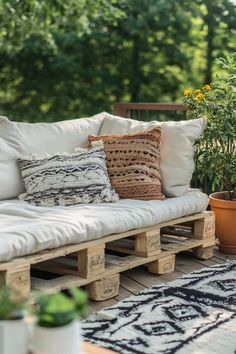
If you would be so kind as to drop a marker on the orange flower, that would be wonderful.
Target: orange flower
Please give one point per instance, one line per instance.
(197, 92)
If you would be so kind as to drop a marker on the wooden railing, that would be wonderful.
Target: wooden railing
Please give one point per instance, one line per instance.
(150, 111)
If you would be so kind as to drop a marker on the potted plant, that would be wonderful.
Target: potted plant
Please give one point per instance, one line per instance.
(13, 329)
(57, 330)
(216, 149)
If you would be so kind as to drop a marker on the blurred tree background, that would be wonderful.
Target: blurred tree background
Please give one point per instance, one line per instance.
(63, 59)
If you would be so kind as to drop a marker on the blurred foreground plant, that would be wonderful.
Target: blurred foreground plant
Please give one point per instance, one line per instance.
(12, 304)
(58, 310)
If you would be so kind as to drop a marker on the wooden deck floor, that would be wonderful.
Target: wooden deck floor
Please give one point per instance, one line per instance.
(137, 279)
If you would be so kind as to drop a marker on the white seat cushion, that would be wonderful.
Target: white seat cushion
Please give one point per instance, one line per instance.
(26, 229)
(177, 149)
(18, 140)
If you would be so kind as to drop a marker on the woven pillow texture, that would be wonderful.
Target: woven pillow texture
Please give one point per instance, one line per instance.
(67, 179)
(133, 163)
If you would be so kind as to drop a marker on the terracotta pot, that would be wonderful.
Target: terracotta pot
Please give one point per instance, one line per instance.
(225, 211)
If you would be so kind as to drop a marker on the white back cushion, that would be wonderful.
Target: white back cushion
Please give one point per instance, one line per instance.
(177, 148)
(18, 140)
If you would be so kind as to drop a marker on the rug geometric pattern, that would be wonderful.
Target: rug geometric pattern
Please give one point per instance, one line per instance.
(194, 314)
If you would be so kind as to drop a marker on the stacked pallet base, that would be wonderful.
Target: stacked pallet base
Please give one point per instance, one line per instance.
(97, 264)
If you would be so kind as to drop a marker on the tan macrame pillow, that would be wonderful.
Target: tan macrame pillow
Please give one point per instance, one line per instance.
(133, 163)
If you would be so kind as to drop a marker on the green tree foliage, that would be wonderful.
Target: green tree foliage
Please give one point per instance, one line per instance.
(64, 59)
(219, 19)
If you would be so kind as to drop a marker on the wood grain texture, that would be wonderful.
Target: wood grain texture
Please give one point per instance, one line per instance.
(104, 289)
(162, 265)
(203, 253)
(18, 279)
(148, 242)
(91, 261)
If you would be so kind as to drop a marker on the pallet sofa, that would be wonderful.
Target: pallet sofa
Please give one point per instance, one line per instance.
(51, 249)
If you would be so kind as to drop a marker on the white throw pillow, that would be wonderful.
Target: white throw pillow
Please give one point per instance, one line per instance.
(18, 140)
(177, 148)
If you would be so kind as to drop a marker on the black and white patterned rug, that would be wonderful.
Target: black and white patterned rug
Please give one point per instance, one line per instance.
(195, 314)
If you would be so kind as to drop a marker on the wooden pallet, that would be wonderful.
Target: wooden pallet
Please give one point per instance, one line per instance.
(91, 264)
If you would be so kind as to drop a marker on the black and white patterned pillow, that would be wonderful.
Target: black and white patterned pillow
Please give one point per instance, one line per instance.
(67, 179)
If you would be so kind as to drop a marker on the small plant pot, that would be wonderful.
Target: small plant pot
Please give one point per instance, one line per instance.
(13, 337)
(57, 340)
(225, 211)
